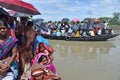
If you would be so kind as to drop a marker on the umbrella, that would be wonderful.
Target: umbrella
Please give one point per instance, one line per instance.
(96, 20)
(64, 20)
(44, 27)
(39, 22)
(76, 20)
(3, 12)
(19, 6)
(18, 14)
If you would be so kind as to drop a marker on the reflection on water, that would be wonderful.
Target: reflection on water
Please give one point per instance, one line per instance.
(87, 60)
(86, 50)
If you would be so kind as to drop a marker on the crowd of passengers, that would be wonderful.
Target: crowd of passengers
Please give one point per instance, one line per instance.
(78, 29)
(17, 61)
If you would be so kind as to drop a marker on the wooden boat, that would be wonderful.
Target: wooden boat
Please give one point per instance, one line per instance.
(82, 38)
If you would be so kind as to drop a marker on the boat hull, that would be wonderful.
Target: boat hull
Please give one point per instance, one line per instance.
(88, 38)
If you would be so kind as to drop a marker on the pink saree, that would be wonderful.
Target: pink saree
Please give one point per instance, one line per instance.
(49, 66)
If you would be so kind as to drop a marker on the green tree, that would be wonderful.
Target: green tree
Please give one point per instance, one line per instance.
(116, 19)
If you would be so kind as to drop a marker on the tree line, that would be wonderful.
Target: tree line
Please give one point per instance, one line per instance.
(115, 20)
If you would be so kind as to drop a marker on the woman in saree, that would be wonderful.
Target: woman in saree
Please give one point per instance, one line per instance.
(42, 58)
(38, 72)
(43, 49)
(8, 50)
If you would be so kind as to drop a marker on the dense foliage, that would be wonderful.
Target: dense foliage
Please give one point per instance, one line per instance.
(115, 20)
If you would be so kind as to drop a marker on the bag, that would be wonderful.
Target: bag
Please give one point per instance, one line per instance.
(22, 39)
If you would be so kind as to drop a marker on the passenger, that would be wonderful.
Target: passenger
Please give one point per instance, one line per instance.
(38, 59)
(11, 31)
(43, 48)
(62, 29)
(70, 32)
(96, 27)
(8, 51)
(40, 72)
(20, 31)
(12, 26)
(96, 30)
(84, 27)
(50, 26)
(99, 32)
(106, 26)
(26, 50)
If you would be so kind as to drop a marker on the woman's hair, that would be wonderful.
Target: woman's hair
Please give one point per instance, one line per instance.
(4, 17)
(29, 23)
(3, 22)
(41, 58)
(39, 46)
(23, 19)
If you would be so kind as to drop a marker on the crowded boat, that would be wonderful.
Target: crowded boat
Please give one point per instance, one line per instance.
(75, 30)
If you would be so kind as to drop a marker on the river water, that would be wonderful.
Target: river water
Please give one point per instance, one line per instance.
(79, 60)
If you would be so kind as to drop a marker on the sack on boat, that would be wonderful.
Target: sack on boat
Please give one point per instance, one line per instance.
(91, 33)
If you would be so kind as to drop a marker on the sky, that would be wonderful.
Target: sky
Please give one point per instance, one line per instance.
(55, 10)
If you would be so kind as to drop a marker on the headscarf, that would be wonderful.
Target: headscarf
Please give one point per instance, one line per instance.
(35, 61)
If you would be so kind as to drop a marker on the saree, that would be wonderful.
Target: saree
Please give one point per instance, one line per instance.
(5, 51)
